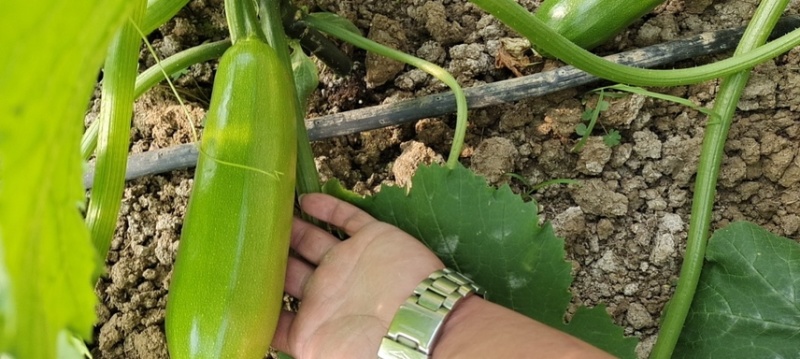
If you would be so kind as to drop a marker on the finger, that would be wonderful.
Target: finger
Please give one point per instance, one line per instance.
(339, 213)
(310, 241)
(297, 274)
(280, 341)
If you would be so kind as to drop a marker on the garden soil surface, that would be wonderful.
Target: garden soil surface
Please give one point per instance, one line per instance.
(624, 226)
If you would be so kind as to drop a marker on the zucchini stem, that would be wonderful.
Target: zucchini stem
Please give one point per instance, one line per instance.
(116, 109)
(432, 69)
(153, 75)
(242, 20)
(764, 19)
(272, 23)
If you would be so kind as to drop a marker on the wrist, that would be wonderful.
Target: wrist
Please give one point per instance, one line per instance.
(419, 321)
(454, 332)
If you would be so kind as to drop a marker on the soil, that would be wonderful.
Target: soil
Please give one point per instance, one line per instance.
(624, 226)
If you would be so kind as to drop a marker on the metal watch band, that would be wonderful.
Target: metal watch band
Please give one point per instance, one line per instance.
(417, 323)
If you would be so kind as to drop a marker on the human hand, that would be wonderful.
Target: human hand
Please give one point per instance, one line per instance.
(351, 289)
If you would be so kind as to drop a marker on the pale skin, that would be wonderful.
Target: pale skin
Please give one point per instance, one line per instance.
(351, 289)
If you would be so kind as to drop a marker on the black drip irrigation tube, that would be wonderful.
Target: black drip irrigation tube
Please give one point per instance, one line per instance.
(355, 121)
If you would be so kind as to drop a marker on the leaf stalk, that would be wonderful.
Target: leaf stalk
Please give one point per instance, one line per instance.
(716, 133)
(432, 69)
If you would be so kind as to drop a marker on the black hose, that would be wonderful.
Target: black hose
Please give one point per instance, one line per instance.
(185, 155)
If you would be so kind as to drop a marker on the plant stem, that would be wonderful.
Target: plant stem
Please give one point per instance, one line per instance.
(432, 69)
(598, 107)
(116, 108)
(175, 63)
(272, 23)
(518, 18)
(713, 150)
(242, 20)
(150, 77)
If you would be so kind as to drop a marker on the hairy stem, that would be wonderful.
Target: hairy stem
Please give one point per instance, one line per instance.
(716, 133)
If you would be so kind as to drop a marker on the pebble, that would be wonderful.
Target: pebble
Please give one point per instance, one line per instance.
(646, 144)
(493, 158)
(663, 249)
(387, 32)
(594, 156)
(414, 154)
(570, 223)
(638, 316)
(608, 262)
(630, 289)
(670, 223)
(596, 198)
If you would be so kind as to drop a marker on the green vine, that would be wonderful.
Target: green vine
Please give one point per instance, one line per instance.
(764, 19)
(327, 23)
(520, 19)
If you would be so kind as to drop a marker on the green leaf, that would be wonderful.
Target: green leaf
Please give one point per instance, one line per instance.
(587, 114)
(581, 129)
(306, 77)
(159, 12)
(602, 106)
(612, 138)
(48, 66)
(747, 303)
(494, 237)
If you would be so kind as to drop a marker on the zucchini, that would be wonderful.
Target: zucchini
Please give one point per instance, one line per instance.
(590, 23)
(227, 285)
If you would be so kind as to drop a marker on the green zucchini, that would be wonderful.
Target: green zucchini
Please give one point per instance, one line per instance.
(590, 23)
(227, 285)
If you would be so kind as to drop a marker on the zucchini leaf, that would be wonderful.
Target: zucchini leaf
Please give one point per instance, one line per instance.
(747, 303)
(306, 76)
(494, 237)
(48, 68)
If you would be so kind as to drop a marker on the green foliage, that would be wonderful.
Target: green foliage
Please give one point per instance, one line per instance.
(612, 138)
(306, 78)
(589, 117)
(495, 238)
(747, 303)
(46, 257)
(159, 12)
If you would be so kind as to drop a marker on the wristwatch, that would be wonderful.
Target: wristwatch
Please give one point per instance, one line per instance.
(417, 324)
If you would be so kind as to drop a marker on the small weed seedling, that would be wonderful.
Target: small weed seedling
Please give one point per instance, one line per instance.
(528, 188)
(589, 118)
